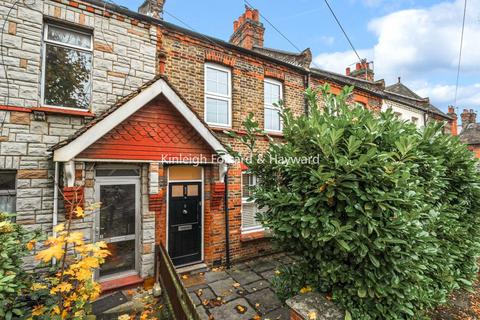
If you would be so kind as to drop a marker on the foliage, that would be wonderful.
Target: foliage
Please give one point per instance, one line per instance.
(67, 291)
(15, 243)
(386, 218)
(67, 77)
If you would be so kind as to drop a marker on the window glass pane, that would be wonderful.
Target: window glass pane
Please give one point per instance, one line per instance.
(67, 77)
(217, 81)
(121, 258)
(217, 111)
(7, 180)
(272, 93)
(177, 191)
(7, 203)
(272, 119)
(69, 37)
(192, 190)
(117, 212)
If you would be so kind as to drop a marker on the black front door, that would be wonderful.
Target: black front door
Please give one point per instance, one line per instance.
(185, 222)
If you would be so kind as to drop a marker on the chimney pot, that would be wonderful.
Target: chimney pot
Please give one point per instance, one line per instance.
(347, 71)
(256, 15)
(358, 66)
(247, 30)
(153, 8)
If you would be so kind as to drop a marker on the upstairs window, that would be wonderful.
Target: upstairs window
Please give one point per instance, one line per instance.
(249, 207)
(218, 95)
(8, 193)
(67, 67)
(272, 96)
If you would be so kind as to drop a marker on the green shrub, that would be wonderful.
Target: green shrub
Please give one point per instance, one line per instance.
(14, 281)
(386, 218)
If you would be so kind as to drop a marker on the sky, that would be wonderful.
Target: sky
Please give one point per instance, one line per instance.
(417, 40)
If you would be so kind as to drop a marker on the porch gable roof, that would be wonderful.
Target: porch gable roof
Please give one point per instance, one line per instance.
(127, 106)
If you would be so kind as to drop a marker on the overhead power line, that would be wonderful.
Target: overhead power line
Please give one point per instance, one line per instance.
(460, 52)
(274, 27)
(343, 30)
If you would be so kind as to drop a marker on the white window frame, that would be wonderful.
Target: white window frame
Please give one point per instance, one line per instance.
(272, 107)
(61, 44)
(246, 201)
(216, 96)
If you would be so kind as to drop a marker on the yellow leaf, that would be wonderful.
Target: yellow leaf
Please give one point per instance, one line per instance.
(76, 238)
(312, 315)
(64, 287)
(31, 244)
(56, 310)
(38, 286)
(305, 289)
(124, 317)
(47, 254)
(38, 310)
(59, 227)
(277, 272)
(79, 211)
(83, 275)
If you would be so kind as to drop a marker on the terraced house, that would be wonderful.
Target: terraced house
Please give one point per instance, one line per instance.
(99, 104)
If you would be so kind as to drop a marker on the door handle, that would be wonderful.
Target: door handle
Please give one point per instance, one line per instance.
(184, 211)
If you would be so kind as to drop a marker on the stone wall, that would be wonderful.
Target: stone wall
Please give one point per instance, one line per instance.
(124, 55)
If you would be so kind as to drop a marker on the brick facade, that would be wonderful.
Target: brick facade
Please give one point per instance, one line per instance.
(129, 50)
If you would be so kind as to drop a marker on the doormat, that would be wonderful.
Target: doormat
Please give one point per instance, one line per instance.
(108, 302)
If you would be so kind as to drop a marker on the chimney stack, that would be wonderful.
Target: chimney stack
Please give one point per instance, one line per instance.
(454, 121)
(248, 31)
(468, 117)
(152, 8)
(362, 71)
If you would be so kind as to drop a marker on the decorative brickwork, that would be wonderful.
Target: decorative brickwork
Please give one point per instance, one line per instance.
(73, 197)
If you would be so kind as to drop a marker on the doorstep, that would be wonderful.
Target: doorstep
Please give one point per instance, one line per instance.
(199, 267)
(120, 283)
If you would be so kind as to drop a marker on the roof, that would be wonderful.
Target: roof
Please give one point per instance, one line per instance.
(299, 61)
(302, 59)
(401, 89)
(470, 134)
(401, 93)
(67, 149)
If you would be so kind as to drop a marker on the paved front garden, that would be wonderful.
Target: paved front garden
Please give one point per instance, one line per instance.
(241, 292)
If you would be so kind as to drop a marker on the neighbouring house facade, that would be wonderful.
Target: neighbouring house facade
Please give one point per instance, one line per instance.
(470, 131)
(404, 102)
(104, 105)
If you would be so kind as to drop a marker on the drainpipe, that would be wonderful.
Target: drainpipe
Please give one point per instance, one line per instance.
(227, 227)
(306, 84)
(55, 202)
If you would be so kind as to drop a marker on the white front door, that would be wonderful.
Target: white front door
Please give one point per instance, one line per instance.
(117, 223)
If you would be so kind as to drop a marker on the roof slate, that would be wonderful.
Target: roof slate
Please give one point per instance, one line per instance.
(470, 134)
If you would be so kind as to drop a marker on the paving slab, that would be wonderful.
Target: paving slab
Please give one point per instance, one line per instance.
(190, 280)
(225, 289)
(268, 275)
(194, 298)
(244, 276)
(202, 313)
(256, 286)
(213, 276)
(205, 294)
(282, 313)
(195, 288)
(264, 300)
(228, 311)
(262, 265)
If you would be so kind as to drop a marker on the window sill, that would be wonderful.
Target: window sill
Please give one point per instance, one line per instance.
(254, 235)
(274, 133)
(216, 127)
(71, 112)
